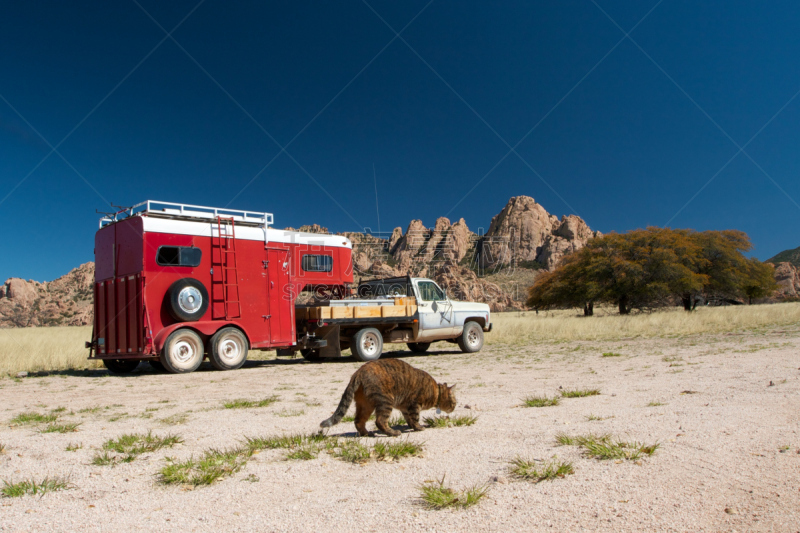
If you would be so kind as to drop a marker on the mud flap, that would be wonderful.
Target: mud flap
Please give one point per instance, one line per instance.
(330, 334)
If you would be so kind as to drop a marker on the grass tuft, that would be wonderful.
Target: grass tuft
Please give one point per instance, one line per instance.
(31, 486)
(655, 404)
(246, 404)
(579, 393)
(607, 447)
(126, 447)
(211, 466)
(449, 421)
(71, 447)
(32, 417)
(60, 428)
(612, 354)
(530, 470)
(174, 420)
(396, 450)
(436, 495)
(349, 450)
(540, 401)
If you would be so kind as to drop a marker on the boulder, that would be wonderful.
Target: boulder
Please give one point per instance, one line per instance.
(788, 279)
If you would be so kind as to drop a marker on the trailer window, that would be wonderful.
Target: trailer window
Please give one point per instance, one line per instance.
(317, 263)
(178, 256)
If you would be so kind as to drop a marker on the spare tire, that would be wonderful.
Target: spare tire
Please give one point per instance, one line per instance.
(187, 300)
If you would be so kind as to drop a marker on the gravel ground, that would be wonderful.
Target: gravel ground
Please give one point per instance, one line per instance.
(729, 455)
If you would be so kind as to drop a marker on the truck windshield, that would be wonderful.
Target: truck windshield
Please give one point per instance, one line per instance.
(429, 292)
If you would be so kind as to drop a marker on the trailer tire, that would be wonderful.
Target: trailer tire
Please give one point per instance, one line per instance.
(227, 349)
(121, 366)
(183, 351)
(367, 344)
(187, 299)
(419, 347)
(471, 339)
(310, 355)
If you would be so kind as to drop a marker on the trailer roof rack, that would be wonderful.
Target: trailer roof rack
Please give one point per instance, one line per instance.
(188, 212)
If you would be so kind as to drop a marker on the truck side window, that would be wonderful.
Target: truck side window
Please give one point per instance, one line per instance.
(179, 256)
(317, 263)
(429, 291)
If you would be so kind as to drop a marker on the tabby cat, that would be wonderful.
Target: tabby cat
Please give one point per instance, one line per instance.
(390, 383)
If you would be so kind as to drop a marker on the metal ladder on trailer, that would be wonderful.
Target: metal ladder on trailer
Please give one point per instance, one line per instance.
(226, 243)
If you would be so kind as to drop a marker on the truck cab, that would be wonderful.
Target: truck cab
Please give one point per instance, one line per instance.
(441, 318)
(414, 311)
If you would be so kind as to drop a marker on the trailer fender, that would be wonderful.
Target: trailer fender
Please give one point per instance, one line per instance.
(205, 328)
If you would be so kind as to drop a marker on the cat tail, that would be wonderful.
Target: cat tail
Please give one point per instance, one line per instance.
(344, 404)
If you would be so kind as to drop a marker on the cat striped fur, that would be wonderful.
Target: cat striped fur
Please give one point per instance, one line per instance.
(387, 384)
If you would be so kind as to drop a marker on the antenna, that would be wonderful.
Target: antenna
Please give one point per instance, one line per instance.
(377, 210)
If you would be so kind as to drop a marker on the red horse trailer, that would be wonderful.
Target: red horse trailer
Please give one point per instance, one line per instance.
(174, 282)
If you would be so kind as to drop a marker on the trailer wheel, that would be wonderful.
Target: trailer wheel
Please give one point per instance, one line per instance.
(471, 339)
(183, 351)
(419, 347)
(310, 355)
(121, 366)
(227, 349)
(188, 300)
(367, 344)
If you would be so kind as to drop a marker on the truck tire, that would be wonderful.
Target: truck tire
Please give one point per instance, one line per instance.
(183, 352)
(419, 347)
(187, 300)
(121, 366)
(310, 355)
(367, 344)
(227, 349)
(471, 339)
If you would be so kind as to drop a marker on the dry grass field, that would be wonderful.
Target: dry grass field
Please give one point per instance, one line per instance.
(61, 348)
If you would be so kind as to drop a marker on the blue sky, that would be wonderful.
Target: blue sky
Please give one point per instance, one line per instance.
(624, 131)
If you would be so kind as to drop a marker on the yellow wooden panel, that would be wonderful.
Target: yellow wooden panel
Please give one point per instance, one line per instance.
(393, 310)
(366, 312)
(325, 312)
(411, 309)
(341, 312)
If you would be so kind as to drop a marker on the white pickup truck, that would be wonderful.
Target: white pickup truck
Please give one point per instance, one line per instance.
(432, 317)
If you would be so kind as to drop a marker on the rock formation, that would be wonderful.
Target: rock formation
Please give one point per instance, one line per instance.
(66, 301)
(788, 277)
(524, 232)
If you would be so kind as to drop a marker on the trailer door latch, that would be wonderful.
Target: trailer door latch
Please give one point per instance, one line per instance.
(265, 316)
(265, 263)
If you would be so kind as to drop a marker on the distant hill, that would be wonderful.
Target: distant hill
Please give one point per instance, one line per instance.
(787, 256)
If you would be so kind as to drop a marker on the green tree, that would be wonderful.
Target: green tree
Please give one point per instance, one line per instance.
(650, 267)
(760, 281)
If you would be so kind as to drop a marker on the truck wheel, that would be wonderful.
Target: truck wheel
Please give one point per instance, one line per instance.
(227, 349)
(310, 355)
(183, 351)
(419, 347)
(188, 300)
(121, 366)
(367, 344)
(471, 339)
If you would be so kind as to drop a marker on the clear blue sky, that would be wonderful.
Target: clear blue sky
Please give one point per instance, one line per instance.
(622, 131)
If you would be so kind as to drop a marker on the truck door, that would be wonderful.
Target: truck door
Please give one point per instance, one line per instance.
(281, 305)
(435, 312)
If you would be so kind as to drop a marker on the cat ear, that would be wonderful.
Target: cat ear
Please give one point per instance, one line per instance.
(452, 387)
